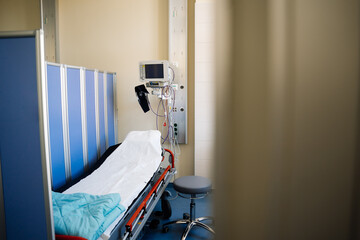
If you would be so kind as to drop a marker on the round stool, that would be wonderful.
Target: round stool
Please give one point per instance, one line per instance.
(194, 187)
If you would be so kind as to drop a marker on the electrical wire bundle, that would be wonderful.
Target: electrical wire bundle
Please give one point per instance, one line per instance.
(164, 116)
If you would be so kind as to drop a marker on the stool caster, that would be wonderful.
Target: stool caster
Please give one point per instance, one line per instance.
(165, 229)
(186, 216)
(154, 223)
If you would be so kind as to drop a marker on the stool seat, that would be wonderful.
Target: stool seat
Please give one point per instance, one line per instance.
(192, 185)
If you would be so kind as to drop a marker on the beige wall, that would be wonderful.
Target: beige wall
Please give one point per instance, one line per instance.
(288, 122)
(115, 35)
(16, 15)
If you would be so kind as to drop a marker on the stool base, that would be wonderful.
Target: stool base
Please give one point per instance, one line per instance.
(190, 223)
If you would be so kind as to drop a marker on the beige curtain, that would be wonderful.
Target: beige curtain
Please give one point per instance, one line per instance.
(287, 119)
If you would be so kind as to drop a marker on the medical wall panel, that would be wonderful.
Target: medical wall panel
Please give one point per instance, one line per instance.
(57, 156)
(101, 117)
(75, 122)
(21, 140)
(178, 38)
(110, 109)
(90, 116)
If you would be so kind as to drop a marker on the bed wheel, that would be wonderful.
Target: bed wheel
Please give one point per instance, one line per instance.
(154, 223)
(166, 208)
(165, 205)
(165, 229)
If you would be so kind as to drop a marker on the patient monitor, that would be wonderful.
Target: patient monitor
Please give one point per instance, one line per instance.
(159, 76)
(155, 73)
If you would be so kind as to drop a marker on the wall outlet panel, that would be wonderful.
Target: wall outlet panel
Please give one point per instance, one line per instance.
(178, 60)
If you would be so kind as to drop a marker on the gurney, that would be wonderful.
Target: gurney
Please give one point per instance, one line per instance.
(137, 171)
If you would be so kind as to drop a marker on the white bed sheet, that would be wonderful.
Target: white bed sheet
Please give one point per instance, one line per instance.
(126, 171)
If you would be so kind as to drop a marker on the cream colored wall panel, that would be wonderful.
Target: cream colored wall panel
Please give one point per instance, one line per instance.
(205, 149)
(116, 35)
(204, 87)
(205, 91)
(204, 52)
(204, 33)
(206, 12)
(206, 113)
(205, 73)
(202, 167)
(205, 130)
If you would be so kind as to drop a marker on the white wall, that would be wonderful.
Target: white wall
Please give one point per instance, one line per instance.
(205, 84)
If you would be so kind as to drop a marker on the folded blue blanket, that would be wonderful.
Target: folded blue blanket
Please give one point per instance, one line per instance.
(85, 215)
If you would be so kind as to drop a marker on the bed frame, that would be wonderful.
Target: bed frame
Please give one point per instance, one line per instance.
(131, 224)
(139, 212)
(82, 117)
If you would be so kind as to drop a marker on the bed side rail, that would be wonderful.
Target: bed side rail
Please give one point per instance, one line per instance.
(172, 157)
(143, 207)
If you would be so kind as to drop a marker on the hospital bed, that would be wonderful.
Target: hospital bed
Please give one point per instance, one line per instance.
(137, 171)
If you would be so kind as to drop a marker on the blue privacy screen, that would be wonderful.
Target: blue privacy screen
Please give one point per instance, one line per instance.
(56, 126)
(78, 133)
(101, 113)
(75, 124)
(20, 140)
(91, 117)
(110, 108)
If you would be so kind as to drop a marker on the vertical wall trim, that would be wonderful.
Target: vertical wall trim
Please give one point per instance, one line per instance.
(83, 116)
(64, 105)
(96, 87)
(106, 111)
(115, 110)
(42, 16)
(44, 131)
(57, 34)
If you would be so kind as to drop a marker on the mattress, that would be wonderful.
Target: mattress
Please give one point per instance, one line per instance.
(126, 171)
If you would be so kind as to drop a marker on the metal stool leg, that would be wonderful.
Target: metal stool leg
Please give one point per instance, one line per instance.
(200, 219)
(165, 227)
(187, 230)
(200, 224)
(182, 221)
(192, 221)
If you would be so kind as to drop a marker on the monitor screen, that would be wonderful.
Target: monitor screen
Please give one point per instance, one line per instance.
(153, 71)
